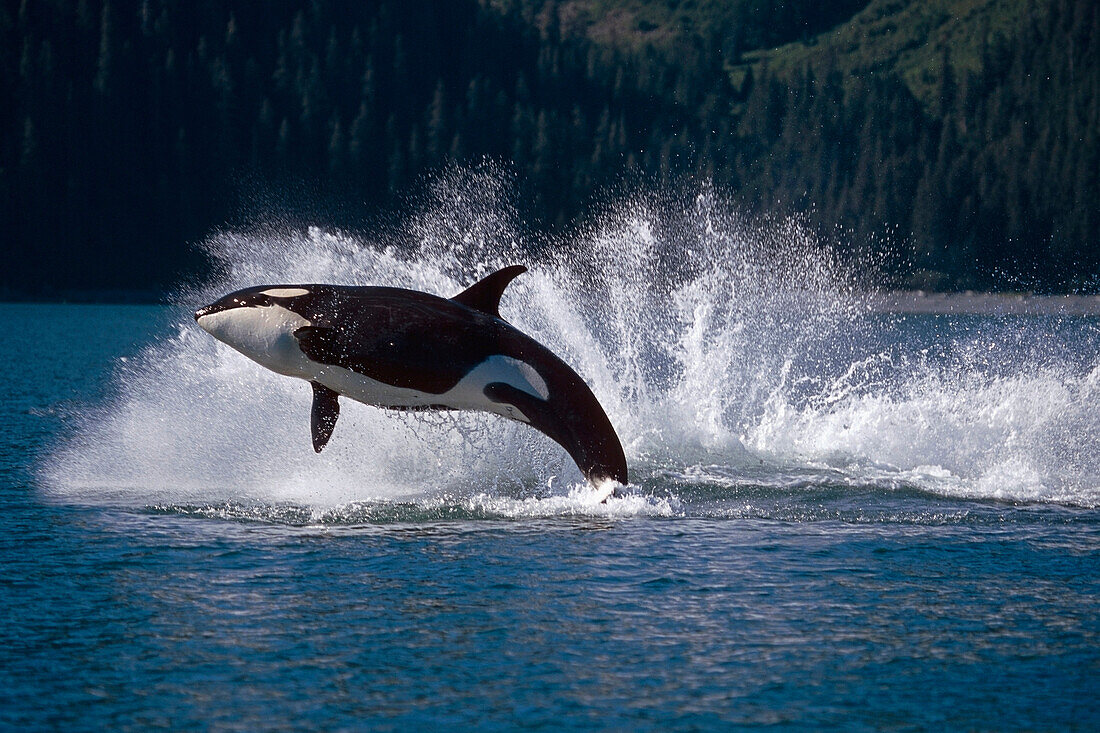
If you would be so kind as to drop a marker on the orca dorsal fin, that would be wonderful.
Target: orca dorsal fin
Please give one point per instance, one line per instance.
(484, 295)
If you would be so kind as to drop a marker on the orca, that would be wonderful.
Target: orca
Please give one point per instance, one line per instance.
(408, 350)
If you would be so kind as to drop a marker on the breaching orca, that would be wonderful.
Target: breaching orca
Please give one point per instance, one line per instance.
(407, 350)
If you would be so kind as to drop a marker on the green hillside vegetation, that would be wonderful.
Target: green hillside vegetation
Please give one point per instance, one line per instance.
(960, 136)
(1003, 152)
(953, 140)
(911, 40)
(726, 28)
(941, 131)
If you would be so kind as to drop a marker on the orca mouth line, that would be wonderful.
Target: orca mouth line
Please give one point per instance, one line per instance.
(209, 310)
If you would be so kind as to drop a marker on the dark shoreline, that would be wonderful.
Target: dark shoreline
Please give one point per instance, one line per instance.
(974, 303)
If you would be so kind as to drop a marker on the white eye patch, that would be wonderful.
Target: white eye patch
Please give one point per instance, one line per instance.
(286, 292)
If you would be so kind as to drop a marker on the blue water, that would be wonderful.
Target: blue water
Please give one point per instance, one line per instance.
(837, 517)
(822, 602)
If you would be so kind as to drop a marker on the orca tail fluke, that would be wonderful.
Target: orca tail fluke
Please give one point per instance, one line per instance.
(575, 421)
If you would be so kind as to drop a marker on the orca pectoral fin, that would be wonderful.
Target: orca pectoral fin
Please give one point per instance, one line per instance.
(322, 418)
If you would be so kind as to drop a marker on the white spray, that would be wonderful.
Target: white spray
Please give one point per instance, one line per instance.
(719, 349)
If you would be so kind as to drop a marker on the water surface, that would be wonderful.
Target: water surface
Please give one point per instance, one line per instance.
(837, 517)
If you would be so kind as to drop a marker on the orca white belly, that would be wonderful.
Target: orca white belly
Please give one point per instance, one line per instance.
(467, 394)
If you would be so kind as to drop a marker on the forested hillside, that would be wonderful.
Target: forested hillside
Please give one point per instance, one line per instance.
(976, 126)
(963, 144)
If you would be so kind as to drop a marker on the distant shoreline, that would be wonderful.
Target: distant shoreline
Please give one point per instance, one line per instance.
(974, 303)
(901, 301)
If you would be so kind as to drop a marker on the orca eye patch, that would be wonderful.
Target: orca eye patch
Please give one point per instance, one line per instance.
(285, 292)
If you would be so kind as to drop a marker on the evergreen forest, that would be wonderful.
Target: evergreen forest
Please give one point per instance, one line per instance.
(954, 140)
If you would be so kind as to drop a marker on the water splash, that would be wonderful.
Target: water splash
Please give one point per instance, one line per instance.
(1026, 435)
(728, 353)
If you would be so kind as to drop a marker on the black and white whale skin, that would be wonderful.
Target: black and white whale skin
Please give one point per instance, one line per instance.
(408, 350)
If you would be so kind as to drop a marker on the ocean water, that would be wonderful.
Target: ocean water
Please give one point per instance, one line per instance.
(836, 517)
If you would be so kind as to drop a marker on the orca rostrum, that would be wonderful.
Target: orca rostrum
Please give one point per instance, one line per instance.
(407, 350)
